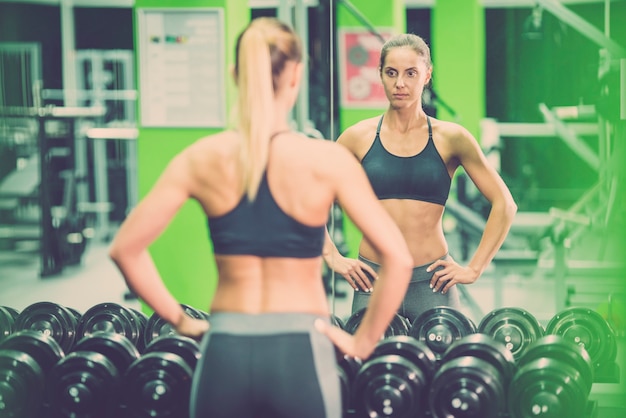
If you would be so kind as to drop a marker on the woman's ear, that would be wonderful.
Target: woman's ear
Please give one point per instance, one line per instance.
(429, 75)
(297, 74)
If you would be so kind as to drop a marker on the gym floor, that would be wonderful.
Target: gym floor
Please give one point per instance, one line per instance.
(97, 280)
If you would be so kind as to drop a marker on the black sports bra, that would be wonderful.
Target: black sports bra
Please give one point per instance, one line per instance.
(423, 176)
(261, 228)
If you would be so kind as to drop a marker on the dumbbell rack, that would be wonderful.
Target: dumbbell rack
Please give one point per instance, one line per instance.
(110, 361)
(440, 363)
(419, 370)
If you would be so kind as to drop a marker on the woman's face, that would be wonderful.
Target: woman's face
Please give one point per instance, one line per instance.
(404, 75)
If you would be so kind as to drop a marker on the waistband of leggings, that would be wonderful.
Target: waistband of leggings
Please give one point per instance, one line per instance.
(420, 267)
(263, 323)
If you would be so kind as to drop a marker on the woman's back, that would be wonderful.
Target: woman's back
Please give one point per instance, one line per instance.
(266, 264)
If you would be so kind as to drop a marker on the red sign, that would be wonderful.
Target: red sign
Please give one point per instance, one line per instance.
(359, 55)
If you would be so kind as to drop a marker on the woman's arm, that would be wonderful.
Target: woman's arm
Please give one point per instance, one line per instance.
(129, 249)
(503, 209)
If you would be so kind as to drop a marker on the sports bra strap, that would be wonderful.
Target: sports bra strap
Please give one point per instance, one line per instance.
(380, 123)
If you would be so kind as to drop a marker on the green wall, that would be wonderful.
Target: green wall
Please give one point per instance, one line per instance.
(458, 38)
(183, 253)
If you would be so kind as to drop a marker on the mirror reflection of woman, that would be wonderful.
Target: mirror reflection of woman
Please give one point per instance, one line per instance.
(267, 193)
(410, 159)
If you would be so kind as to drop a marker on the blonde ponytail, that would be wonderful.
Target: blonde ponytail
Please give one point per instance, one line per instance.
(256, 106)
(262, 50)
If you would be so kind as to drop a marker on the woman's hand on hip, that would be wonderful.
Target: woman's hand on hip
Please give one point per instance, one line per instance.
(449, 273)
(355, 271)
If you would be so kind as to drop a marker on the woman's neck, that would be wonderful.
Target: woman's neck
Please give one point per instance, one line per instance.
(404, 119)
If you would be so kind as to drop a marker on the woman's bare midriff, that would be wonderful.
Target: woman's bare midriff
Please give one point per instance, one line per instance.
(420, 224)
(250, 284)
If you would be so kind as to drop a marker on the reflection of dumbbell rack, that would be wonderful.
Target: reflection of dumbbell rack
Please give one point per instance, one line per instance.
(445, 366)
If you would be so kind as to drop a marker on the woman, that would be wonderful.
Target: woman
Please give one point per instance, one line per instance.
(410, 159)
(267, 193)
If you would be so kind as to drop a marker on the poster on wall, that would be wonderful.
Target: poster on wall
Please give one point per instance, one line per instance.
(181, 67)
(359, 54)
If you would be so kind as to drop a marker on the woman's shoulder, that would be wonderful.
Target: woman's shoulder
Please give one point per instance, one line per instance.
(448, 130)
(225, 142)
(359, 135)
(363, 127)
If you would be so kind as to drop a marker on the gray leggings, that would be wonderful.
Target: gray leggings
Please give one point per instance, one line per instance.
(419, 296)
(267, 365)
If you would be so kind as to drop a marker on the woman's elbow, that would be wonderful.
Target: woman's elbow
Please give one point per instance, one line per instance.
(511, 207)
(116, 252)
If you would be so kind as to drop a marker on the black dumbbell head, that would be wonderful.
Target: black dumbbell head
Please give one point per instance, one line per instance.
(84, 383)
(486, 348)
(389, 386)
(549, 388)
(22, 385)
(157, 385)
(41, 347)
(187, 348)
(115, 347)
(51, 319)
(588, 329)
(516, 328)
(467, 387)
(112, 318)
(439, 327)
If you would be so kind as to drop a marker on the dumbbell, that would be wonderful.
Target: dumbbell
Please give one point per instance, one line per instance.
(439, 327)
(347, 368)
(77, 314)
(86, 383)
(142, 319)
(112, 318)
(472, 379)
(157, 326)
(515, 327)
(394, 380)
(26, 357)
(42, 347)
(120, 350)
(22, 385)
(397, 326)
(588, 329)
(158, 384)
(51, 319)
(8, 317)
(553, 379)
(559, 348)
(187, 348)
